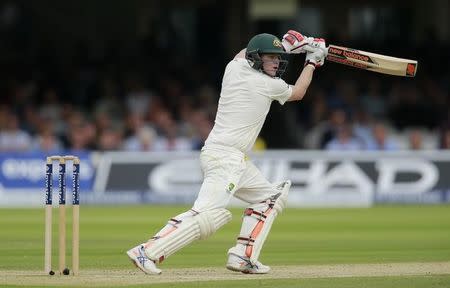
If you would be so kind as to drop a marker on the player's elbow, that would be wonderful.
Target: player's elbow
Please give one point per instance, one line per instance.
(297, 94)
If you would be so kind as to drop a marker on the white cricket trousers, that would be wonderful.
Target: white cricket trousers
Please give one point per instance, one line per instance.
(228, 173)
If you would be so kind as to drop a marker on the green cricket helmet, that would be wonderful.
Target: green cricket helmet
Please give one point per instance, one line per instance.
(265, 44)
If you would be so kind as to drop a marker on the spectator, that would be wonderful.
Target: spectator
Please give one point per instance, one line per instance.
(133, 123)
(109, 140)
(80, 134)
(51, 108)
(168, 129)
(337, 119)
(201, 126)
(172, 93)
(362, 128)
(344, 140)
(319, 107)
(381, 140)
(138, 97)
(207, 98)
(415, 140)
(12, 138)
(46, 141)
(143, 140)
(445, 139)
(77, 139)
(103, 122)
(109, 102)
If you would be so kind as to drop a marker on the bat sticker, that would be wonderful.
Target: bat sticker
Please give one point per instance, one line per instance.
(410, 69)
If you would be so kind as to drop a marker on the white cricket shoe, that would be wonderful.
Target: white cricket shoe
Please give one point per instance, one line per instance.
(243, 264)
(140, 260)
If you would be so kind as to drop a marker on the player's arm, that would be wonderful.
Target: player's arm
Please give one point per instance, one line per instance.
(302, 83)
(313, 61)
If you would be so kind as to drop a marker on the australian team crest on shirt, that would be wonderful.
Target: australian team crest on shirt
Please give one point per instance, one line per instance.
(230, 187)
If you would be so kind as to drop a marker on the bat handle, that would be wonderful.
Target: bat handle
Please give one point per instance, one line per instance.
(308, 48)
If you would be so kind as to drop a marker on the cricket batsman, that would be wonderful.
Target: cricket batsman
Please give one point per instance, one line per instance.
(250, 83)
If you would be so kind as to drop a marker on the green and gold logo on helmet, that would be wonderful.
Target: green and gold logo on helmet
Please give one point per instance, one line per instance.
(277, 43)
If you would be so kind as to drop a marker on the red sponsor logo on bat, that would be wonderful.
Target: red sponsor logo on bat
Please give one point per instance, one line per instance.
(357, 56)
(334, 51)
(410, 69)
(347, 62)
(349, 54)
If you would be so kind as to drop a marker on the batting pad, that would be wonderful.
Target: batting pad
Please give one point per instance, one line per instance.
(184, 229)
(258, 219)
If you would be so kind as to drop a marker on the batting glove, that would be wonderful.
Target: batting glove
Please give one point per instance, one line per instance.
(317, 54)
(293, 42)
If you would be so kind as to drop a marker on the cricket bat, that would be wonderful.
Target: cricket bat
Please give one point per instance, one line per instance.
(372, 61)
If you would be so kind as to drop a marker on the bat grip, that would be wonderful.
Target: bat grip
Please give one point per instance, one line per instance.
(308, 48)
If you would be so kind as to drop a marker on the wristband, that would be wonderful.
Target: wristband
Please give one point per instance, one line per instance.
(308, 62)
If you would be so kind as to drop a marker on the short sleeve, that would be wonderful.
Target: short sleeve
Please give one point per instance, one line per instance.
(278, 90)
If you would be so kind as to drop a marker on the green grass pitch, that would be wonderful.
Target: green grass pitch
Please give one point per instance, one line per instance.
(383, 234)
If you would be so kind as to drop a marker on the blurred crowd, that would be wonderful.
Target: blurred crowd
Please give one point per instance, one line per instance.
(402, 114)
(149, 96)
(130, 115)
(140, 119)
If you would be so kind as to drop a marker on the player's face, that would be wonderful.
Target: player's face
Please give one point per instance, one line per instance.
(271, 63)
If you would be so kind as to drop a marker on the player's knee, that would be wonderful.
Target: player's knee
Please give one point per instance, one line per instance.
(210, 221)
(181, 217)
(277, 201)
(282, 191)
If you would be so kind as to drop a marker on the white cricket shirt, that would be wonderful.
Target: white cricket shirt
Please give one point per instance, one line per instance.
(243, 105)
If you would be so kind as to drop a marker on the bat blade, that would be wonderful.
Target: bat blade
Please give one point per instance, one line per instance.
(372, 61)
